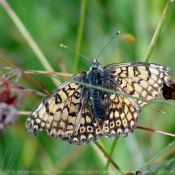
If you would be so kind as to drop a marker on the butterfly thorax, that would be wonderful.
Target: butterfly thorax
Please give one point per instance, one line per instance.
(96, 78)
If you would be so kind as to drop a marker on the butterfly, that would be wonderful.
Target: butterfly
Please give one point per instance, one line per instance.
(79, 114)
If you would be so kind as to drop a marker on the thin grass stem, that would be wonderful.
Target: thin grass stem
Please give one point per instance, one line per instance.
(27, 37)
(125, 95)
(111, 151)
(166, 148)
(157, 131)
(80, 33)
(109, 157)
(157, 32)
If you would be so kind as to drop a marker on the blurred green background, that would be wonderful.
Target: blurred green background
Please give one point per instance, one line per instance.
(52, 22)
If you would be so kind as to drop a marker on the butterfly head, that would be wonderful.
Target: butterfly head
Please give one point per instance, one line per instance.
(95, 65)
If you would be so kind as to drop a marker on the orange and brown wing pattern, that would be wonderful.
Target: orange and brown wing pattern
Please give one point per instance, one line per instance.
(66, 113)
(89, 129)
(139, 79)
(60, 112)
(121, 116)
(79, 114)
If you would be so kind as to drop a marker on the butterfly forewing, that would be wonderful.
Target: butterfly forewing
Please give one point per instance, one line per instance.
(60, 112)
(139, 79)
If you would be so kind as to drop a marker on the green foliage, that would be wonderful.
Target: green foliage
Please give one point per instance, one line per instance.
(51, 23)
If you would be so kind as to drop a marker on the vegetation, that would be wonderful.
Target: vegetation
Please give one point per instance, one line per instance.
(85, 26)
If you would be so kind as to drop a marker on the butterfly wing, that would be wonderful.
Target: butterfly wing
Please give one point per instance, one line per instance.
(138, 79)
(66, 113)
(121, 116)
(61, 111)
(89, 128)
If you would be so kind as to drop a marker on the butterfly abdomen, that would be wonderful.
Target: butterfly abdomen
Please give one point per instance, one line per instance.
(95, 77)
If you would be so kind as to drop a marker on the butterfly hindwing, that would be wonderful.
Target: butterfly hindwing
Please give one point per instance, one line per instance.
(121, 116)
(89, 128)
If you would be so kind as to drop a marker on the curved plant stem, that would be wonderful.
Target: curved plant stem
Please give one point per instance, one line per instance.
(125, 95)
(157, 32)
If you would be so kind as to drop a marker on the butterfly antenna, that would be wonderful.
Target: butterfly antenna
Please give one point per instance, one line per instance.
(108, 44)
(61, 45)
